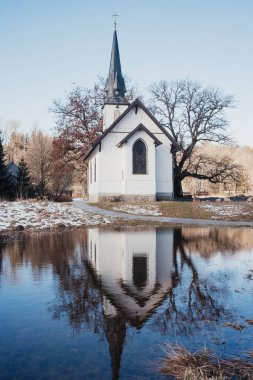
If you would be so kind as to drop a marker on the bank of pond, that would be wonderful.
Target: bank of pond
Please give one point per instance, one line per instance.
(104, 303)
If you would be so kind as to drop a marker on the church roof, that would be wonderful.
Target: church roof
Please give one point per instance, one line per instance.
(115, 85)
(135, 104)
(152, 302)
(140, 127)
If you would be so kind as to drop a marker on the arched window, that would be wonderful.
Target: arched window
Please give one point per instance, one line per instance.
(139, 158)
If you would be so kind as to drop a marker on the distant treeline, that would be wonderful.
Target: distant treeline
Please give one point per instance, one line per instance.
(50, 172)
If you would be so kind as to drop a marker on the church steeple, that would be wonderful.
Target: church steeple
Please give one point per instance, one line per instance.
(115, 85)
(115, 330)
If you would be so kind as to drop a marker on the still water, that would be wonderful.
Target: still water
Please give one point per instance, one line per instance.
(100, 304)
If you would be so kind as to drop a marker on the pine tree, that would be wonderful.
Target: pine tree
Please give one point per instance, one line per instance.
(6, 189)
(24, 186)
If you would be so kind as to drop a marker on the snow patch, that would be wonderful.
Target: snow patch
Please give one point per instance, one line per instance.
(229, 210)
(45, 215)
(138, 210)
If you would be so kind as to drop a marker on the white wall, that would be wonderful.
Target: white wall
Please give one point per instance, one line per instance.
(110, 115)
(114, 164)
(94, 183)
(144, 184)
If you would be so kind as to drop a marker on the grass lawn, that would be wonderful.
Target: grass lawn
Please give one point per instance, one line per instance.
(232, 211)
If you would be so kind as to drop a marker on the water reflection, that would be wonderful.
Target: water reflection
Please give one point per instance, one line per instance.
(207, 241)
(129, 274)
(110, 281)
(134, 269)
(1, 258)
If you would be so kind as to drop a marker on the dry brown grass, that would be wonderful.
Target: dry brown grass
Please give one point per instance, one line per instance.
(234, 326)
(203, 365)
(189, 210)
(243, 211)
(170, 209)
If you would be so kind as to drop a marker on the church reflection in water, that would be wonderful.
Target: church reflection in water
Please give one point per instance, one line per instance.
(134, 270)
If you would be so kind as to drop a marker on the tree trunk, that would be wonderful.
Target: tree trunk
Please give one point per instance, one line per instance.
(178, 190)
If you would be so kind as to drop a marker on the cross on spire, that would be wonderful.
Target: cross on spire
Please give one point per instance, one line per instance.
(115, 20)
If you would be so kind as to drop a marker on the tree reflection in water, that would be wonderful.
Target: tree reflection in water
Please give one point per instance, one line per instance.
(193, 300)
(97, 288)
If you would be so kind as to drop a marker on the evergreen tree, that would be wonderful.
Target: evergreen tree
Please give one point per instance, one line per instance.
(6, 189)
(24, 186)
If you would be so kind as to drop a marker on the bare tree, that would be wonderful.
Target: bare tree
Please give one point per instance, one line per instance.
(14, 141)
(79, 121)
(213, 169)
(38, 158)
(61, 171)
(243, 176)
(194, 115)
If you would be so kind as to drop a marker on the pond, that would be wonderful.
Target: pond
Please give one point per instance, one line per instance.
(101, 303)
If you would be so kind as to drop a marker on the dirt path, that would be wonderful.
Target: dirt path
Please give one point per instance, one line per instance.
(159, 219)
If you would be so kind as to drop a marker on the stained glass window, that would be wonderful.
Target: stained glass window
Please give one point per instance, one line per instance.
(139, 158)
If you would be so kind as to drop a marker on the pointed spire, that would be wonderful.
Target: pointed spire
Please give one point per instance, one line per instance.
(115, 85)
(115, 330)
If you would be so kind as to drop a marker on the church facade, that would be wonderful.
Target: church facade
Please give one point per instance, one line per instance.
(132, 159)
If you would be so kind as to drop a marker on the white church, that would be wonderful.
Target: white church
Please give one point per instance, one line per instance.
(132, 159)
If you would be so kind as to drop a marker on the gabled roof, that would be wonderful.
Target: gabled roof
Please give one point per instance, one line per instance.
(136, 104)
(155, 299)
(140, 127)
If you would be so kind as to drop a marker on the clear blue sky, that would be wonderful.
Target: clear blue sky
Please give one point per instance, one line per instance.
(46, 45)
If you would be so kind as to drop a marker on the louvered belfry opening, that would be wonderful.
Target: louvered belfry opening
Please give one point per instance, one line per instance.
(139, 158)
